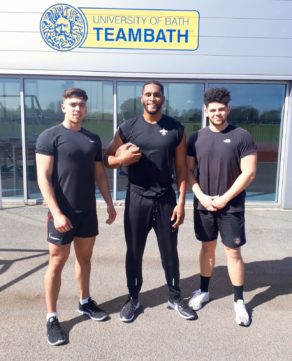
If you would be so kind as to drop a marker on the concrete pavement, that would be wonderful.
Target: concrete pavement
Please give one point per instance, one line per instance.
(158, 333)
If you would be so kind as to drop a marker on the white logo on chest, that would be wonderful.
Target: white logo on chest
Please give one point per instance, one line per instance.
(227, 141)
(163, 131)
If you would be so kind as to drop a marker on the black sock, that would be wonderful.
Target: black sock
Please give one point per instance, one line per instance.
(205, 283)
(238, 293)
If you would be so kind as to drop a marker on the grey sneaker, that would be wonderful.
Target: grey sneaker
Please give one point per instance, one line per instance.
(241, 314)
(55, 334)
(129, 309)
(92, 310)
(198, 299)
(182, 309)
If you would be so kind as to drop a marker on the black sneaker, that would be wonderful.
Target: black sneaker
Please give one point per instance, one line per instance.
(92, 310)
(182, 309)
(54, 332)
(127, 313)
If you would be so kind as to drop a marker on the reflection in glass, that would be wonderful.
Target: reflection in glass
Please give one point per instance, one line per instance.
(128, 100)
(43, 99)
(259, 109)
(184, 102)
(10, 139)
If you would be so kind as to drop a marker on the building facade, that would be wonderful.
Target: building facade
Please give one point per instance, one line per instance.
(109, 49)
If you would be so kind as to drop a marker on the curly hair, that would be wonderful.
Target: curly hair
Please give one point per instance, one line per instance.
(217, 95)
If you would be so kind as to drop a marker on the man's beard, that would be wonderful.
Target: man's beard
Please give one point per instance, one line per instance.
(153, 112)
(216, 124)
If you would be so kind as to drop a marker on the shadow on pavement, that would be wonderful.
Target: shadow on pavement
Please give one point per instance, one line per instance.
(67, 326)
(5, 264)
(273, 275)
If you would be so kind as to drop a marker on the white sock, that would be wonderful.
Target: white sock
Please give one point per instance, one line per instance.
(52, 314)
(85, 300)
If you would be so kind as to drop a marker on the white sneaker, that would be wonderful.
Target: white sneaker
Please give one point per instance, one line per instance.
(241, 314)
(198, 298)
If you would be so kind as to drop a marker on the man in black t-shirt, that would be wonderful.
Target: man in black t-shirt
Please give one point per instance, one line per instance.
(69, 165)
(221, 163)
(149, 145)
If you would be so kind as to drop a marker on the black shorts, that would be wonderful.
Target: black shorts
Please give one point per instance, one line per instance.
(85, 225)
(230, 226)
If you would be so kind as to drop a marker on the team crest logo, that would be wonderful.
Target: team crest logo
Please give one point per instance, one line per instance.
(63, 27)
(163, 131)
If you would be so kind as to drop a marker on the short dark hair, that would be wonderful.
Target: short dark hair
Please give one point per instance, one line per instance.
(75, 92)
(153, 82)
(217, 95)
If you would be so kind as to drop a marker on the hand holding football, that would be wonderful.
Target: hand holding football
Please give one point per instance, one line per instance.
(128, 154)
(133, 148)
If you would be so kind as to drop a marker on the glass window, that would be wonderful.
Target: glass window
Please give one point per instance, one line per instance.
(183, 101)
(128, 106)
(43, 98)
(10, 139)
(259, 109)
(128, 100)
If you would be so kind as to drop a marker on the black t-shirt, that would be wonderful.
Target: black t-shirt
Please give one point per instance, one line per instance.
(217, 156)
(153, 174)
(75, 154)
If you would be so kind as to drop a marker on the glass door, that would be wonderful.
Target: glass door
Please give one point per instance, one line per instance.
(10, 139)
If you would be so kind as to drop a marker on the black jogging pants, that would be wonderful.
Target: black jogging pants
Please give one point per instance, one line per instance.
(141, 215)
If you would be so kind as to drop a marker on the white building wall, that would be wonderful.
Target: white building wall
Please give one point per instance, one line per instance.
(250, 40)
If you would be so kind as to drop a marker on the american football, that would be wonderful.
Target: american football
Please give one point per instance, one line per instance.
(127, 146)
(133, 148)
